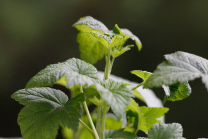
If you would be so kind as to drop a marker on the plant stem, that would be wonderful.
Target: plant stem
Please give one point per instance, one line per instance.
(87, 128)
(100, 124)
(107, 66)
(138, 86)
(89, 117)
(102, 110)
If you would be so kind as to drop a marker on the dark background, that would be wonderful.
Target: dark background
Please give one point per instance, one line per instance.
(36, 33)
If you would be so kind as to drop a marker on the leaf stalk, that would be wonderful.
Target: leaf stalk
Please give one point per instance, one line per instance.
(89, 117)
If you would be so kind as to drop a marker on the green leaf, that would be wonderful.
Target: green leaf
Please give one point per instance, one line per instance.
(112, 123)
(119, 50)
(176, 92)
(90, 48)
(126, 32)
(108, 40)
(179, 67)
(136, 117)
(139, 96)
(142, 74)
(45, 110)
(166, 131)
(74, 70)
(88, 23)
(151, 115)
(119, 133)
(116, 94)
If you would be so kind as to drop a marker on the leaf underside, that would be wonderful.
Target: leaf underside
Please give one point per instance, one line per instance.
(45, 109)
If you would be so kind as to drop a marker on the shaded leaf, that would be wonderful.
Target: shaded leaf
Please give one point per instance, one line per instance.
(112, 123)
(119, 133)
(166, 131)
(176, 92)
(74, 70)
(136, 117)
(45, 110)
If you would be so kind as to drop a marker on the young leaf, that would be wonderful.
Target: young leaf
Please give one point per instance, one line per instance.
(142, 74)
(166, 131)
(119, 133)
(126, 32)
(108, 40)
(139, 121)
(178, 91)
(119, 50)
(179, 67)
(151, 115)
(112, 123)
(45, 110)
(116, 94)
(88, 23)
(74, 70)
(90, 48)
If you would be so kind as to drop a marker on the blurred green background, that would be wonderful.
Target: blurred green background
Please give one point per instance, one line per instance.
(34, 34)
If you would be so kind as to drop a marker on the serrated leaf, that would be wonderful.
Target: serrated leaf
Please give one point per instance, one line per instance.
(179, 67)
(116, 94)
(45, 110)
(74, 70)
(176, 92)
(88, 23)
(119, 50)
(139, 119)
(119, 133)
(166, 131)
(90, 48)
(151, 115)
(108, 40)
(126, 32)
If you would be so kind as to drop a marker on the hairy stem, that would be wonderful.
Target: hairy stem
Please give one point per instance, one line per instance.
(89, 117)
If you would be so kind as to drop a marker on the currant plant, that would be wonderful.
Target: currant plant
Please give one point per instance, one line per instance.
(116, 113)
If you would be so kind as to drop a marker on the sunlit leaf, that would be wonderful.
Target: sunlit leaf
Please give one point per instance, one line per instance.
(74, 70)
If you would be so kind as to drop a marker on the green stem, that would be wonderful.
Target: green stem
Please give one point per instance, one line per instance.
(100, 124)
(138, 86)
(107, 66)
(89, 117)
(87, 128)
